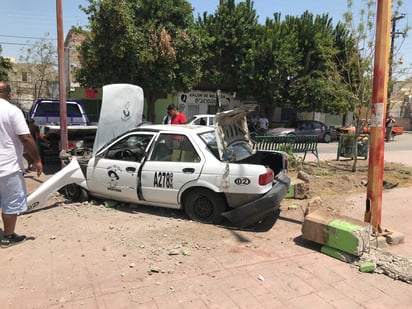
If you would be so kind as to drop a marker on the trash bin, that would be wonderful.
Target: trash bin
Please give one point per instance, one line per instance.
(347, 143)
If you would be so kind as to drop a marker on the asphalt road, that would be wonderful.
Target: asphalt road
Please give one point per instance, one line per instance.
(401, 143)
(399, 150)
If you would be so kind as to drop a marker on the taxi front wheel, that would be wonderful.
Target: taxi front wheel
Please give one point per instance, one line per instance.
(205, 206)
(75, 193)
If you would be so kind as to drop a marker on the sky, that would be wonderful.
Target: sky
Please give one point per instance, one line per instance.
(25, 21)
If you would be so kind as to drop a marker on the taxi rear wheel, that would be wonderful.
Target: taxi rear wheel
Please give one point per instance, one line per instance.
(204, 206)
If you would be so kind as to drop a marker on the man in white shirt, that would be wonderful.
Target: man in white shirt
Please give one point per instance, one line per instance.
(262, 125)
(15, 137)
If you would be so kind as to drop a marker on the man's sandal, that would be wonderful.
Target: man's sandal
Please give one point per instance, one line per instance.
(11, 240)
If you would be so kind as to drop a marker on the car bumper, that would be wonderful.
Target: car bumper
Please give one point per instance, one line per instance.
(258, 209)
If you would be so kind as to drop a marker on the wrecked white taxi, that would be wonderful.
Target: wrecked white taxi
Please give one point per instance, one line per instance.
(210, 173)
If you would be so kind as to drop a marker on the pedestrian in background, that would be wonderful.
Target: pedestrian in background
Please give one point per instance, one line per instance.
(40, 140)
(15, 137)
(175, 116)
(262, 125)
(167, 119)
(390, 122)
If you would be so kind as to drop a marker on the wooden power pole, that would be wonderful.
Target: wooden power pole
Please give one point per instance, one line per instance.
(373, 212)
(62, 81)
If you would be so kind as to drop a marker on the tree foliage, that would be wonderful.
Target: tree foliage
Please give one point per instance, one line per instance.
(40, 60)
(315, 87)
(296, 59)
(285, 62)
(5, 66)
(230, 47)
(357, 68)
(304, 61)
(152, 44)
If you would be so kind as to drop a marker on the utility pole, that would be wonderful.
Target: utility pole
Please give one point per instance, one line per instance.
(394, 33)
(62, 80)
(373, 211)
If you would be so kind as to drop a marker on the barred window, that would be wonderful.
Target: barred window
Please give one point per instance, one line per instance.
(26, 77)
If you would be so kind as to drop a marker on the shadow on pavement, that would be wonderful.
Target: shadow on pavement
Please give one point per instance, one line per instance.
(262, 226)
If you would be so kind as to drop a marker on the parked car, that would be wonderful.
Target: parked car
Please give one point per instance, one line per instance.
(308, 127)
(209, 173)
(206, 120)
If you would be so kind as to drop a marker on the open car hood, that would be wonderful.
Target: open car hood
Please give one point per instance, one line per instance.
(122, 110)
(231, 129)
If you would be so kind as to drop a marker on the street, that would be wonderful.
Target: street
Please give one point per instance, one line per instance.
(395, 151)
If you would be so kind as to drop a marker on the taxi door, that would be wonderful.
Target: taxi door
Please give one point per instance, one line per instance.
(173, 163)
(114, 173)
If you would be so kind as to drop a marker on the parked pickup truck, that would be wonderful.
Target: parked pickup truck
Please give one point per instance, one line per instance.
(80, 131)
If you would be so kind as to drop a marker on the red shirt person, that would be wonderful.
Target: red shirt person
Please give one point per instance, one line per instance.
(177, 117)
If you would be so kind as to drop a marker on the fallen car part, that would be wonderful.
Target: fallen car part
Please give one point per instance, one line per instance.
(70, 174)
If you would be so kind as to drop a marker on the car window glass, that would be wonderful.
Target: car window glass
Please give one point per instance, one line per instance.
(130, 148)
(175, 148)
(304, 126)
(317, 125)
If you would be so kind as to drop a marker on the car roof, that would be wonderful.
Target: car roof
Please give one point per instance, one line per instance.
(173, 128)
(308, 121)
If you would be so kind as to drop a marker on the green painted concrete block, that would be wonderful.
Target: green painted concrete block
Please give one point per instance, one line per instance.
(367, 267)
(347, 236)
(291, 191)
(343, 233)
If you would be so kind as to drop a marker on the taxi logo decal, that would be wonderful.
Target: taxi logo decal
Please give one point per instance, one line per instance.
(242, 181)
(113, 178)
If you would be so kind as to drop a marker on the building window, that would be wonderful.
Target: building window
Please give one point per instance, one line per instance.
(287, 114)
(26, 77)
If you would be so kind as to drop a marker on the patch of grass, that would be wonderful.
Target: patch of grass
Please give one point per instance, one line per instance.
(323, 173)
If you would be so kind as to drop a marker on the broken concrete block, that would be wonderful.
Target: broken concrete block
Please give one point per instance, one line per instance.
(395, 238)
(303, 176)
(314, 204)
(301, 190)
(378, 242)
(328, 228)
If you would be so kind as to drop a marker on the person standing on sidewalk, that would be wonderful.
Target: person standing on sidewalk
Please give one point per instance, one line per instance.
(167, 119)
(40, 140)
(262, 125)
(390, 122)
(15, 137)
(175, 116)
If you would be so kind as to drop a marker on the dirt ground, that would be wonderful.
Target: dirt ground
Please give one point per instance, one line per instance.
(327, 181)
(76, 250)
(335, 178)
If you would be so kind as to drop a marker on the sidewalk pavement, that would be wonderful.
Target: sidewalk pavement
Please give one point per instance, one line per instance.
(83, 257)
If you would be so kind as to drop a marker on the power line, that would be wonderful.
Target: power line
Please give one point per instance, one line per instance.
(10, 43)
(25, 37)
